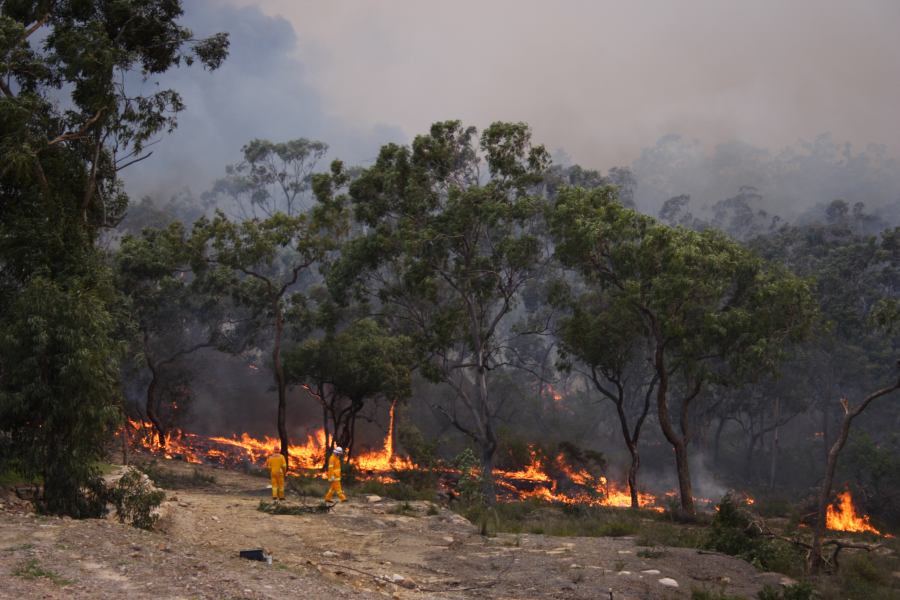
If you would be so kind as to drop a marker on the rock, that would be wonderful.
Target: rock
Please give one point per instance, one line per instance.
(786, 581)
(330, 554)
(397, 578)
(651, 572)
(373, 499)
(214, 518)
(624, 573)
(574, 566)
(624, 551)
(668, 582)
(448, 539)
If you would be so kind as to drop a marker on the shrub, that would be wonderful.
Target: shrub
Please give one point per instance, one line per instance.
(136, 500)
(733, 532)
(797, 591)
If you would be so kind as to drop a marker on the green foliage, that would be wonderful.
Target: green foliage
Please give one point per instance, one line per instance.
(796, 591)
(713, 595)
(58, 389)
(279, 508)
(68, 123)
(136, 500)
(469, 485)
(875, 470)
(733, 532)
(31, 569)
(273, 177)
(170, 479)
(424, 453)
(445, 254)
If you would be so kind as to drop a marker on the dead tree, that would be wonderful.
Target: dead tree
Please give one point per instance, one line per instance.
(815, 555)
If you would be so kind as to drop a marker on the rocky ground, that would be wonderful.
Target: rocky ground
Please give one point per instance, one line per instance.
(364, 548)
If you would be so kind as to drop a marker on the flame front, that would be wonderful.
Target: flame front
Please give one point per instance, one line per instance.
(562, 483)
(844, 518)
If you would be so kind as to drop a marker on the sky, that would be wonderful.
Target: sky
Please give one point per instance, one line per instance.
(600, 80)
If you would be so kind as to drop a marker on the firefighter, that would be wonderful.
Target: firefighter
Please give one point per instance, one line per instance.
(277, 469)
(334, 475)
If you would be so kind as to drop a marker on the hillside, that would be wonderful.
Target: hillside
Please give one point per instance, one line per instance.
(365, 548)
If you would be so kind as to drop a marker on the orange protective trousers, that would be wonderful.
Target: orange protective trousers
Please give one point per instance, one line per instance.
(277, 485)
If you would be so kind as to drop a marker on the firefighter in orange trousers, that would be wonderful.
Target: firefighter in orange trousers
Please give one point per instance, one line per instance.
(277, 469)
(334, 475)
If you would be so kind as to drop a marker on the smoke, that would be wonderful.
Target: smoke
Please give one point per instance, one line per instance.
(261, 91)
(603, 79)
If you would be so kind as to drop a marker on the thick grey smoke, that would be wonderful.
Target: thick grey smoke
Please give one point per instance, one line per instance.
(260, 92)
(604, 78)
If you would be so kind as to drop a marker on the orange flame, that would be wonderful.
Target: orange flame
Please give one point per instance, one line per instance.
(844, 518)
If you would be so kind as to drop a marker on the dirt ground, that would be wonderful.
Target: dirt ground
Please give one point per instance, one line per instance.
(358, 550)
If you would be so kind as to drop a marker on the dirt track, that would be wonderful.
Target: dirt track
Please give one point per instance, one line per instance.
(359, 550)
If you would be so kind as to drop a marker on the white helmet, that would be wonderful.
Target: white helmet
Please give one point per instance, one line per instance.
(338, 450)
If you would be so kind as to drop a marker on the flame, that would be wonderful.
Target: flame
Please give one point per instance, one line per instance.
(385, 459)
(844, 518)
(547, 480)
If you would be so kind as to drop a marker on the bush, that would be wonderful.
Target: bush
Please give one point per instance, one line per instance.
(136, 500)
(797, 591)
(167, 478)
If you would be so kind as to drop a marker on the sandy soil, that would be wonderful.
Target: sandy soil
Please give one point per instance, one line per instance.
(358, 550)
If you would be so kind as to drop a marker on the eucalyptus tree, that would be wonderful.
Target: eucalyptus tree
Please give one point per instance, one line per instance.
(70, 120)
(608, 338)
(273, 177)
(359, 364)
(262, 262)
(445, 253)
(710, 310)
(175, 312)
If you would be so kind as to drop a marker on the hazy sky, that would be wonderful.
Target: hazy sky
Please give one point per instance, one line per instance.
(600, 79)
(603, 79)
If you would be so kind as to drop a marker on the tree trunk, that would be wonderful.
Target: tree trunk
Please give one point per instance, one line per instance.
(151, 405)
(685, 489)
(679, 444)
(775, 444)
(749, 456)
(488, 448)
(717, 441)
(815, 555)
(632, 475)
(279, 380)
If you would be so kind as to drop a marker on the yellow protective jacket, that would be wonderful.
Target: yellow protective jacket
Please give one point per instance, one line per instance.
(276, 464)
(334, 468)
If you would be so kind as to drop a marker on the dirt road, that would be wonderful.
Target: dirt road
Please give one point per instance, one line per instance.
(361, 549)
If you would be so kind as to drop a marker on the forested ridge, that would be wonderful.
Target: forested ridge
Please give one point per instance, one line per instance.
(463, 277)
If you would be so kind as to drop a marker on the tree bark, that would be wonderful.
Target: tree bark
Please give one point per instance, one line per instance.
(679, 444)
(151, 405)
(280, 382)
(775, 445)
(632, 475)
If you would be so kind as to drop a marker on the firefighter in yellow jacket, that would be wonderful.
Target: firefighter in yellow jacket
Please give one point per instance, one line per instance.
(334, 475)
(277, 468)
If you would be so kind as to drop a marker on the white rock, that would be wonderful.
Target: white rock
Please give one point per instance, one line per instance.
(624, 573)
(373, 499)
(651, 572)
(214, 518)
(574, 566)
(448, 539)
(329, 554)
(668, 582)
(624, 551)
(397, 578)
